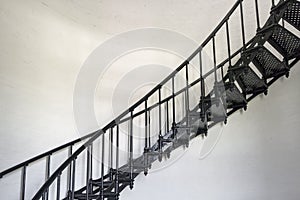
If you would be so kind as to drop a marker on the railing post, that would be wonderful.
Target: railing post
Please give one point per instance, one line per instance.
(215, 59)
(117, 163)
(87, 171)
(146, 125)
(23, 183)
(173, 109)
(187, 99)
(91, 161)
(146, 148)
(149, 128)
(160, 136)
(202, 88)
(242, 24)
(257, 15)
(58, 187)
(228, 43)
(69, 184)
(229, 51)
(73, 179)
(48, 160)
(102, 167)
(159, 121)
(167, 116)
(111, 139)
(131, 150)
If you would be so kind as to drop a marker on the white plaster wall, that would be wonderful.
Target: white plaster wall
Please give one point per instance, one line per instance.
(43, 45)
(257, 156)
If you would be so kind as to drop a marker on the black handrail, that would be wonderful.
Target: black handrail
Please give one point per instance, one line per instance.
(43, 155)
(29, 161)
(59, 170)
(214, 32)
(70, 162)
(168, 98)
(117, 120)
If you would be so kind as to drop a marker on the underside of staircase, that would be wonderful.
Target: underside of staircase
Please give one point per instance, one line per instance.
(256, 69)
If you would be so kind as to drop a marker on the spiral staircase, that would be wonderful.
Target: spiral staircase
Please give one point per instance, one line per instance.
(250, 71)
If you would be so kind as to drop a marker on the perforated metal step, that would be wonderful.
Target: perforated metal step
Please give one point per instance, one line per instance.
(292, 14)
(285, 42)
(268, 64)
(250, 83)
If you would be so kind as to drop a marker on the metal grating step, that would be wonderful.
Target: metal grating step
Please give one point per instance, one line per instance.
(292, 14)
(268, 64)
(285, 42)
(250, 83)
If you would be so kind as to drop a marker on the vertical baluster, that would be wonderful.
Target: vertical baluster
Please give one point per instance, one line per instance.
(146, 149)
(131, 150)
(159, 111)
(73, 179)
(222, 71)
(111, 151)
(257, 15)
(58, 187)
(187, 98)
(23, 183)
(202, 88)
(215, 59)
(91, 162)
(146, 125)
(160, 136)
(242, 24)
(117, 163)
(149, 128)
(69, 183)
(87, 171)
(159, 121)
(167, 117)
(173, 108)
(228, 43)
(102, 167)
(229, 50)
(46, 194)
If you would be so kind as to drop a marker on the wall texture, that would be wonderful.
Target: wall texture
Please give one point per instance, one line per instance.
(43, 46)
(255, 158)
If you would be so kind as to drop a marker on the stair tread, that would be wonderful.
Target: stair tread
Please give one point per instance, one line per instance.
(250, 82)
(292, 15)
(285, 42)
(268, 64)
(222, 96)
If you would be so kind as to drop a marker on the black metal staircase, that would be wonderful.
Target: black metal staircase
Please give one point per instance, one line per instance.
(232, 92)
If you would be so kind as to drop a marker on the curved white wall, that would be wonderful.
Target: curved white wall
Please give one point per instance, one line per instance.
(257, 156)
(43, 45)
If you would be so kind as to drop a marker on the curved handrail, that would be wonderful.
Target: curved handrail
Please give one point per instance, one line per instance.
(43, 155)
(117, 120)
(50, 152)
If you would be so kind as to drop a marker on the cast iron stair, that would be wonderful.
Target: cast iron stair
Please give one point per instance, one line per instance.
(256, 69)
(292, 14)
(268, 64)
(285, 42)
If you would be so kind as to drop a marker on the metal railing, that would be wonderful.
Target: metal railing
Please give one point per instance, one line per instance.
(113, 128)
